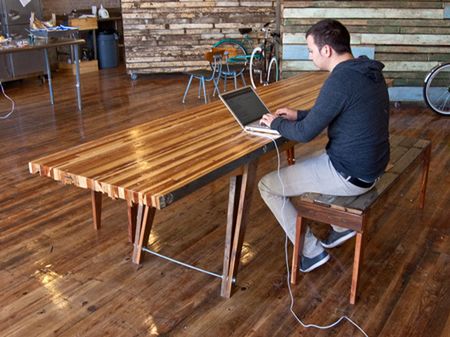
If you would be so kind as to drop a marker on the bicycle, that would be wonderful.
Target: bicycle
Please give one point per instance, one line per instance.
(436, 89)
(261, 59)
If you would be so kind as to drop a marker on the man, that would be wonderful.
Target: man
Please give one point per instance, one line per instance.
(354, 105)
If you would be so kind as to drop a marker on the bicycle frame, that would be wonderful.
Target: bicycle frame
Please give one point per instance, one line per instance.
(263, 58)
(246, 43)
(241, 56)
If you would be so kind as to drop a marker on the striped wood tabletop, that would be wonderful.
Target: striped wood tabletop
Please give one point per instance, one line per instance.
(157, 162)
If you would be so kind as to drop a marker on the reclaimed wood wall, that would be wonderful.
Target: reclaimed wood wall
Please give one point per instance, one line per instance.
(409, 37)
(173, 35)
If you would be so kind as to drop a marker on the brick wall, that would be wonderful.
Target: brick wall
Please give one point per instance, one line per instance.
(172, 36)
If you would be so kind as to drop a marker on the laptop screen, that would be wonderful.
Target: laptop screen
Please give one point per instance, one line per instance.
(245, 105)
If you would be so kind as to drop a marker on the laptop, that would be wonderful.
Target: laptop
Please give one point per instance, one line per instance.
(247, 108)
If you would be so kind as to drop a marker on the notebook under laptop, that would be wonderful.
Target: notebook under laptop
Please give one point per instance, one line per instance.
(247, 108)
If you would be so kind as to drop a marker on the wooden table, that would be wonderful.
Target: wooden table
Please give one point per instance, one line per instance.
(45, 44)
(156, 163)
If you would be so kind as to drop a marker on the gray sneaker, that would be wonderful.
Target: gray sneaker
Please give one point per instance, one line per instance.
(335, 239)
(309, 264)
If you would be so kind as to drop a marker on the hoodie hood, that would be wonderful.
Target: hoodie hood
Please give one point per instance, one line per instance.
(363, 65)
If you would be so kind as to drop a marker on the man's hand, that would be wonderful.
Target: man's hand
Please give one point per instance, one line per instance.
(267, 119)
(287, 113)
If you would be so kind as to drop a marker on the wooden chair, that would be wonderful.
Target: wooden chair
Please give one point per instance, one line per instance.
(229, 69)
(353, 212)
(206, 75)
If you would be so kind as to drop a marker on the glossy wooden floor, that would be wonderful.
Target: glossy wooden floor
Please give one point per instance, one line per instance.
(58, 277)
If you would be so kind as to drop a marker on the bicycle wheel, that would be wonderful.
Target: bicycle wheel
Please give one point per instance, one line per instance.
(256, 65)
(273, 73)
(436, 89)
(238, 55)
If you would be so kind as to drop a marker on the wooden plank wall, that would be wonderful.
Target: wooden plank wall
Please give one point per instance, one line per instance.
(409, 37)
(173, 35)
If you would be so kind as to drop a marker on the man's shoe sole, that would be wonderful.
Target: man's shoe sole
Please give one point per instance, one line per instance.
(316, 265)
(339, 241)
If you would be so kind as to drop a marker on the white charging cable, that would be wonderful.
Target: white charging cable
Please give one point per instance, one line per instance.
(291, 308)
(13, 104)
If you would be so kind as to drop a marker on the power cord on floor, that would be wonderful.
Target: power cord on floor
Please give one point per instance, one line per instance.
(291, 308)
(13, 104)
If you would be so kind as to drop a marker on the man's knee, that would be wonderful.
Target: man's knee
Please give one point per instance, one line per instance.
(261, 186)
(264, 184)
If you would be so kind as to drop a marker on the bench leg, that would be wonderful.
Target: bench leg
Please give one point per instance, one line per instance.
(356, 262)
(96, 198)
(298, 247)
(425, 169)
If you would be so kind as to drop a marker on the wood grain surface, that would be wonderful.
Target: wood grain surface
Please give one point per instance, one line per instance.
(59, 277)
(149, 163)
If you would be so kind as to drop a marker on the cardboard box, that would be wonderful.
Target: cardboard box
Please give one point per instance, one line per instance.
(84, 23)
(85, 67)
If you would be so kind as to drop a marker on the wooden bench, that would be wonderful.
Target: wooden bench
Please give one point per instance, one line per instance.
(353, 212)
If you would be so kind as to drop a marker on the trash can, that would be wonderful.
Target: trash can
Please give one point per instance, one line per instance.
(107, 49)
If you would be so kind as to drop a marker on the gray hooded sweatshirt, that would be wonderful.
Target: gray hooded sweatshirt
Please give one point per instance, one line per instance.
(354, 104)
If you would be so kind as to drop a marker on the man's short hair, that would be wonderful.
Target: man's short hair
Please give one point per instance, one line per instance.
(331, 32)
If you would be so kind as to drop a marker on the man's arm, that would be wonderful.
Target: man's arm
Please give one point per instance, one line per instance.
(329, 104)
(302, 114)
(291, 114)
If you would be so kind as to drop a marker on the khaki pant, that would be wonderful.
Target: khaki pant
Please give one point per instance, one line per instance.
(312, 174)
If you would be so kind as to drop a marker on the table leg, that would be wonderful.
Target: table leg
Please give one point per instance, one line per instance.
(94, 41)
(300, 230)
(144, 222)
(77, 73)
(233, 203)
(132, 215)
(290, 154)
(97, 208)
(49, 75)
(241, 189)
